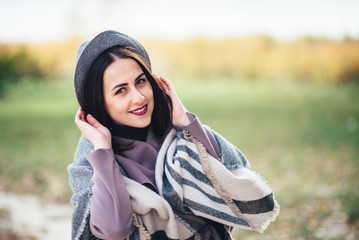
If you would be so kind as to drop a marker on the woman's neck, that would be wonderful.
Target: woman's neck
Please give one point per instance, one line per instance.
(134, 133)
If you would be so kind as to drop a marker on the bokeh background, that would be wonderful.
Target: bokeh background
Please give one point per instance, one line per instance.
(279, 79)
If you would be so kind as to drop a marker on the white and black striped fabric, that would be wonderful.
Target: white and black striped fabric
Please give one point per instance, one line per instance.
(224, 190)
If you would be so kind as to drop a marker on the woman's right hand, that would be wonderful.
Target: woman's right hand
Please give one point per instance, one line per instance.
(93, 130)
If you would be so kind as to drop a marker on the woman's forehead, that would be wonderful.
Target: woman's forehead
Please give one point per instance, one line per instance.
(122, 70)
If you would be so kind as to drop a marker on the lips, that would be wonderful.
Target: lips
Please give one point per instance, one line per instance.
(140, 111)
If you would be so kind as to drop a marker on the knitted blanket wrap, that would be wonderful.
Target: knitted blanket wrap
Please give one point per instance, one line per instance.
(190, 181)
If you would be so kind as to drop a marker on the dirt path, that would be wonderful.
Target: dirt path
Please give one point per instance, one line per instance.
(29, 216)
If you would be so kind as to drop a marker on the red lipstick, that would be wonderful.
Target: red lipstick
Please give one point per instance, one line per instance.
(140, 111)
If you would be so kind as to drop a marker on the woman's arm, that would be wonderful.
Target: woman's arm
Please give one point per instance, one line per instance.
(202, 134)
(110, 209)
(110, 212)
(183, 120)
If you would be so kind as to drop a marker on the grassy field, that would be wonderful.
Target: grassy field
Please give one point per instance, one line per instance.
(302, 137)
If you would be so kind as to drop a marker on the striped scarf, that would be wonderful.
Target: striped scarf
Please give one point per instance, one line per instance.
(224, 190)
(191, 181)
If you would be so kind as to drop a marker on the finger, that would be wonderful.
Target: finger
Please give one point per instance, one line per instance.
(82, 125)
(86, 128)
(80, 120)
(168, 84)
(164, 84)
(79, 115)
(93, 121)
(90, 119)
(160, 83)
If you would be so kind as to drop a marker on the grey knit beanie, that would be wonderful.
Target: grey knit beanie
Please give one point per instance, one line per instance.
(89, 50)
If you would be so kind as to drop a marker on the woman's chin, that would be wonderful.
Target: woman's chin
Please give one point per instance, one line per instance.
(141, 124)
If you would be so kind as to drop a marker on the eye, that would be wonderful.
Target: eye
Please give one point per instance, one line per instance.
(119, 91)
(141, 81)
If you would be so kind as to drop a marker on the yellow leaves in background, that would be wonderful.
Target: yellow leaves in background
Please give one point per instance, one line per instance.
(261, 57)
(56, 58)
(49, 59)
(253, 57)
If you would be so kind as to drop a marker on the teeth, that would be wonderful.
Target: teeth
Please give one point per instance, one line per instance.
(140, 110)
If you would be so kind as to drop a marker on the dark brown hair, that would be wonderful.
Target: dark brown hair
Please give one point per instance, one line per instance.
(94, 103)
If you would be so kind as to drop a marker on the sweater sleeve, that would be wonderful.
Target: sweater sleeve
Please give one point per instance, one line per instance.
(111, 215)
(202, 134)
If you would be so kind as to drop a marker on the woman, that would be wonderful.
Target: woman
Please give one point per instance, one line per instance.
(145, 168)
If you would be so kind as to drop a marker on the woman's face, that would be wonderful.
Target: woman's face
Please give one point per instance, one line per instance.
(128, 93)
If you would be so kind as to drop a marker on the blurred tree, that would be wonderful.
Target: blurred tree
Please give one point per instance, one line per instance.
(16, 64)
(261, 57)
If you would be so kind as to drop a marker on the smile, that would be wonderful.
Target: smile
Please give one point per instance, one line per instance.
(140, 111)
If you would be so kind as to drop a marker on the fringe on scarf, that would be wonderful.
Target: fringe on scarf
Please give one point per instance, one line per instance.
(203, 156)
(144, 234)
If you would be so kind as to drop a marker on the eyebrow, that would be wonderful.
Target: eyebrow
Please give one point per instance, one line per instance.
(124, 84)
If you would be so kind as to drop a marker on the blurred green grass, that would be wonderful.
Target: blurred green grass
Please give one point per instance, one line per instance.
(38, 138)
(303, 137)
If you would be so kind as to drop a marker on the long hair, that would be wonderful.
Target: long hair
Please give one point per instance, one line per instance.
(94, 103)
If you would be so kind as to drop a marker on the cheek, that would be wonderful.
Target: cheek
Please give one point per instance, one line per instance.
(115, 107)
(149, 93)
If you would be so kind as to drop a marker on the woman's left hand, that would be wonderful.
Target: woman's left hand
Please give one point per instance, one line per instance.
(179, 115)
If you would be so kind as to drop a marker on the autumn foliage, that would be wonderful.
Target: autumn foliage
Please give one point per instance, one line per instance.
(261, 57)
(252, 57)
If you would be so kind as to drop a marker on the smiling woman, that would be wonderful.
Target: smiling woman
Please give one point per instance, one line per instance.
(128, 94)
(146, 168)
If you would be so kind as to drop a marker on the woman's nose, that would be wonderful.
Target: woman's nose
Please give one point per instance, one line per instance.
(137, 97)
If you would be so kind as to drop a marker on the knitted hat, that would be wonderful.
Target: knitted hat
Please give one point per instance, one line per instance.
(89, 50)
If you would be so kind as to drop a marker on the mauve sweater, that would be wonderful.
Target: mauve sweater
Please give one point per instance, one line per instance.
(110, 213)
